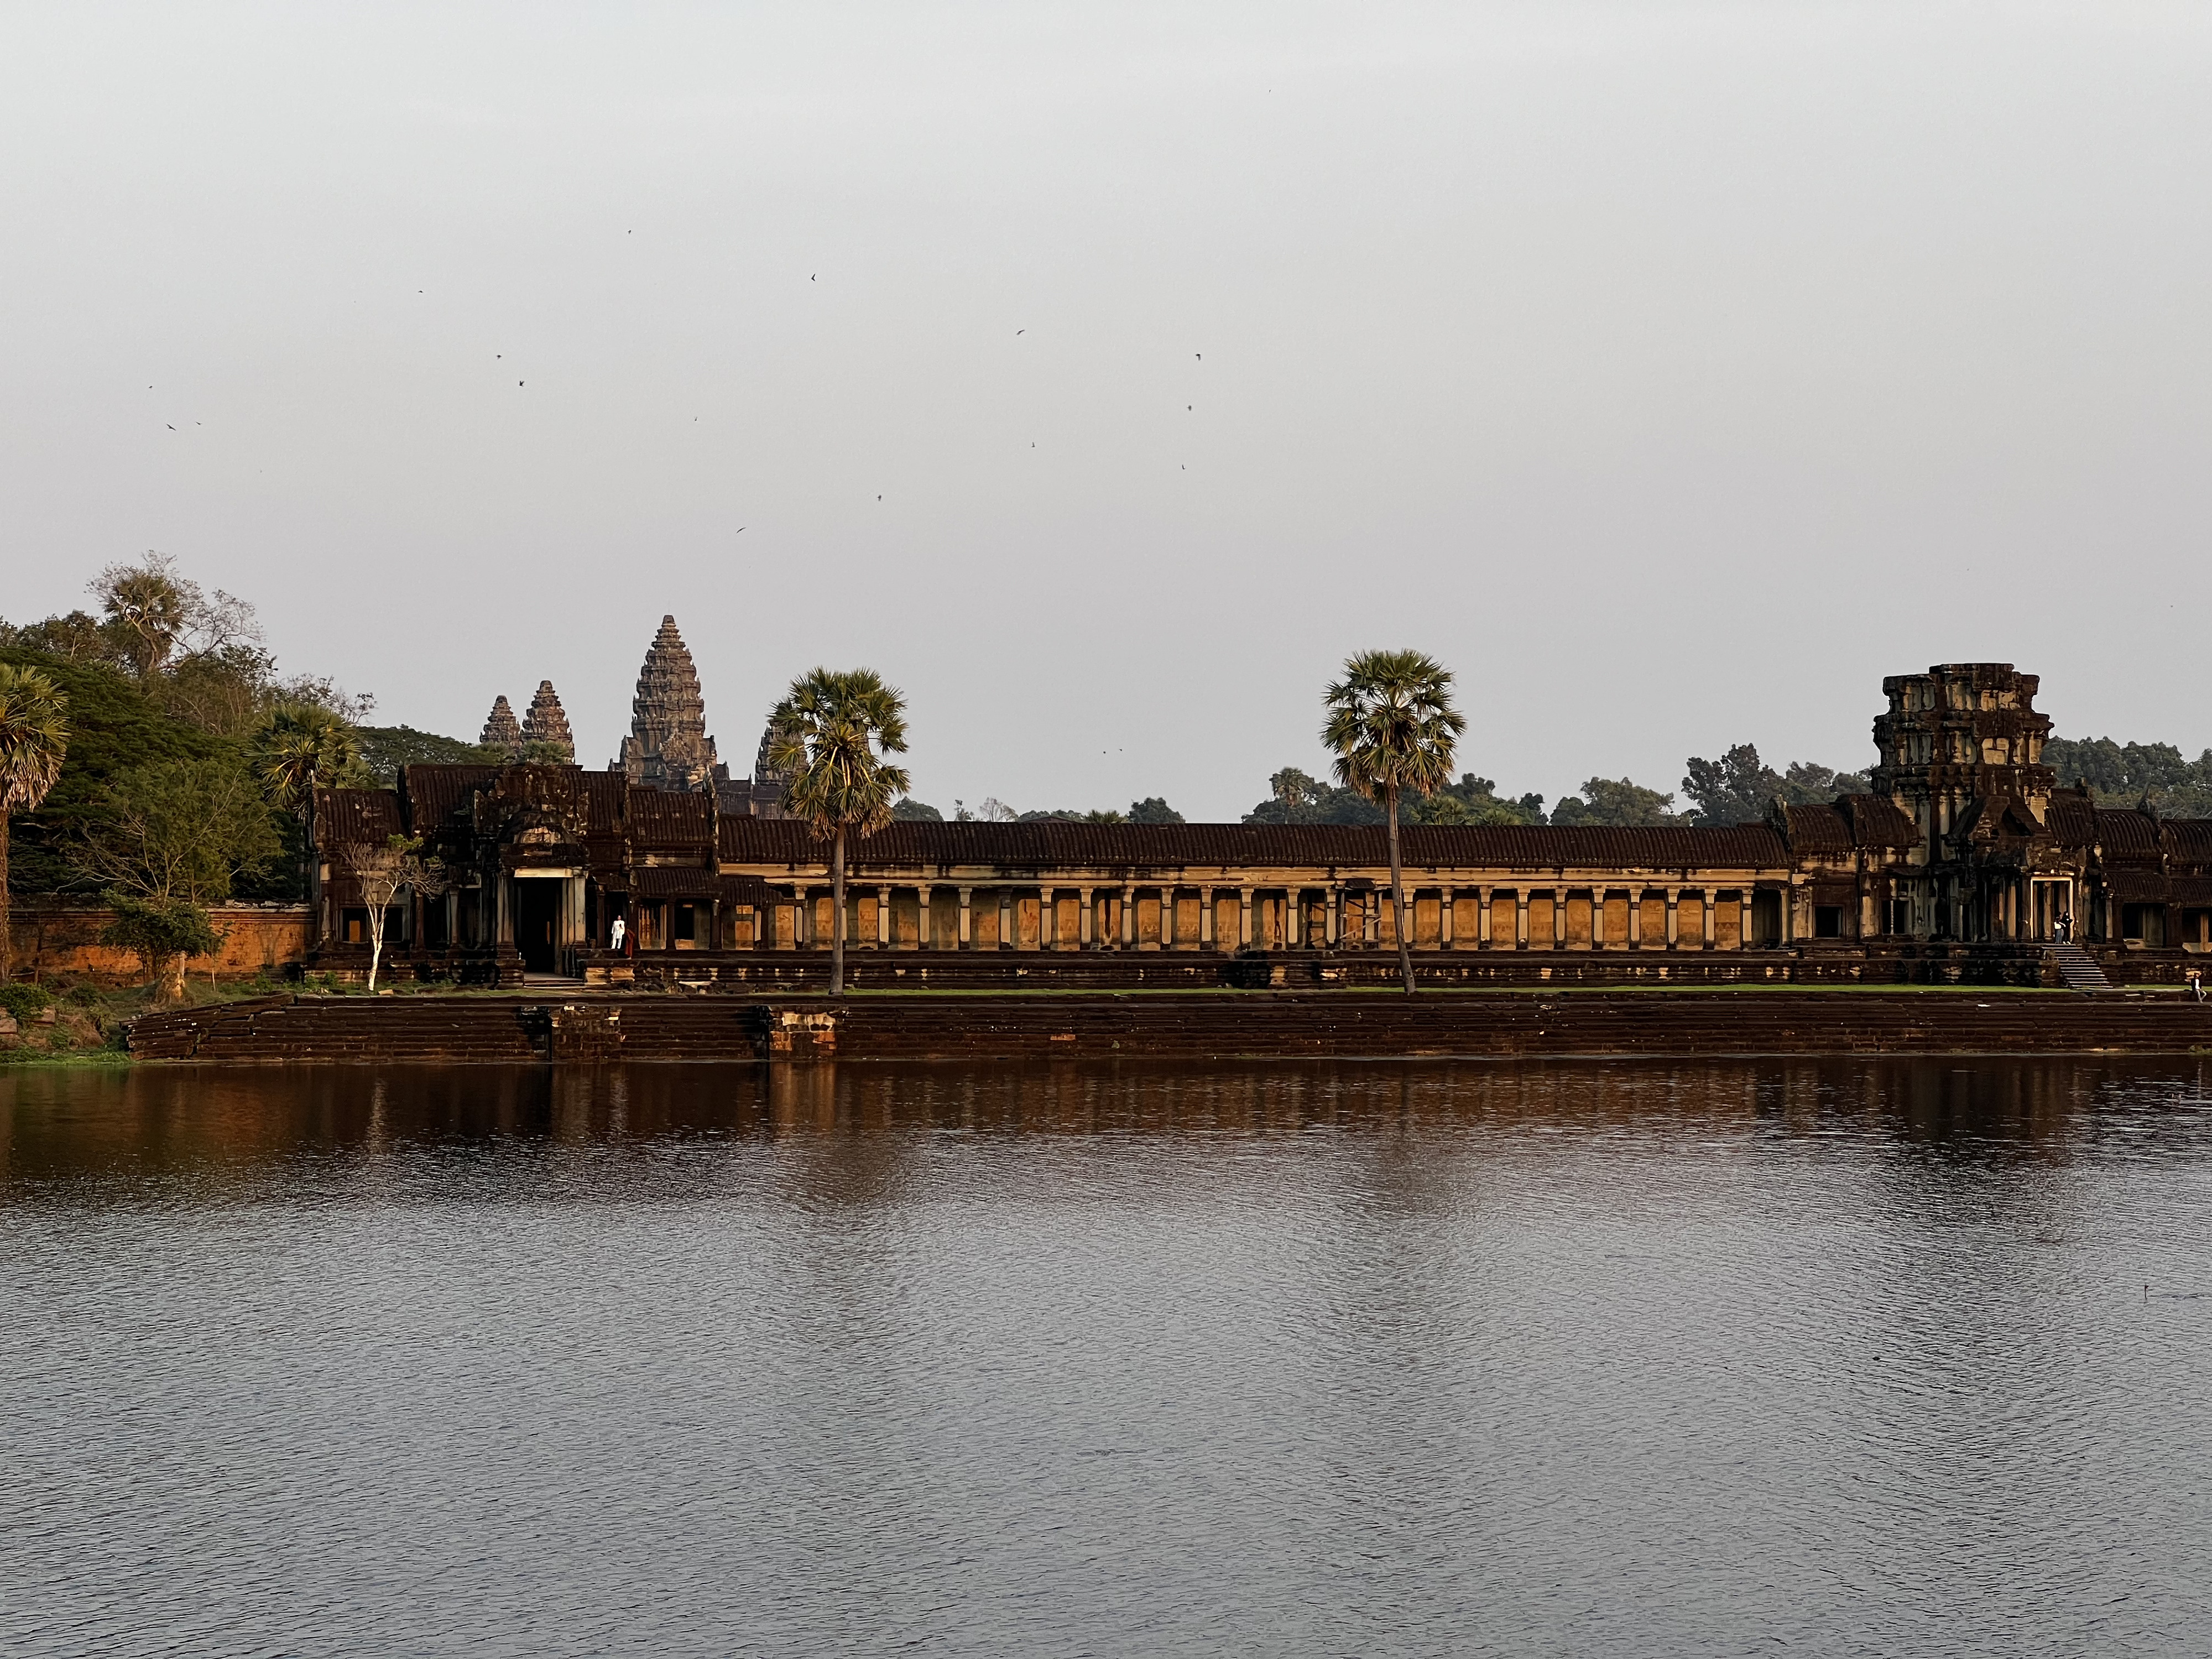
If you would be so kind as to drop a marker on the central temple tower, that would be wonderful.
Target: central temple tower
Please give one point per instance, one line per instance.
(668, 747)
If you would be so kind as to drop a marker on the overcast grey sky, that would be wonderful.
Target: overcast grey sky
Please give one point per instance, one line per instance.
(1104, 375)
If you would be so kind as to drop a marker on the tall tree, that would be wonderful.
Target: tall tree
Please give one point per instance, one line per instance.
(829, 737)
(1393, 726)
(33, 736)
(304, 747)
(386, 872)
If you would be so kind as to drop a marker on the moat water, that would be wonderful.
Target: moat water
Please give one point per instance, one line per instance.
(1695, 1358)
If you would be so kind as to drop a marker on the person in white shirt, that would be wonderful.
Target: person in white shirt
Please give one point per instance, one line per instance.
(615, 935)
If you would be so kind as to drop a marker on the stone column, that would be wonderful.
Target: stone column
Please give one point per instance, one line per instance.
(1482, 919)
(1559, 918)
(1370, 918)
(1445, 919)
(922, 940)
(1674, 898)
(1708, 928)
(1743, 896)
(1086, 931)
(967, 918)
(1167, 917)
(883, 917)
(1333, 917)
(1521, 919)
(1128, 918)
(1244, 919)
(1048, 921)
(1206, 918)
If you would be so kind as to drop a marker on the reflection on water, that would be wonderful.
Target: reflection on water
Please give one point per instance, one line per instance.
(1567, 1358)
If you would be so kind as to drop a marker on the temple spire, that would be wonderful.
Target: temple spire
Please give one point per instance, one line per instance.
(668, 746)
(548, 722)
(501, 730)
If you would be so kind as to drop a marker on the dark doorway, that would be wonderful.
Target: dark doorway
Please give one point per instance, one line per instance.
(537, 925)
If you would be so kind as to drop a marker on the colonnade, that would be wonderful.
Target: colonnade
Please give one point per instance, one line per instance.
(1324, 915)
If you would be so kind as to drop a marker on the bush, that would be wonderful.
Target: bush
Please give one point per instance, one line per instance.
(23, 1000)
(86, 995)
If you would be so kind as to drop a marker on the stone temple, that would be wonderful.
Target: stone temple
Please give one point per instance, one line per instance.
(1966, 859)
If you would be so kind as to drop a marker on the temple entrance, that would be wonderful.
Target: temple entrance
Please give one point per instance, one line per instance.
(537, 925)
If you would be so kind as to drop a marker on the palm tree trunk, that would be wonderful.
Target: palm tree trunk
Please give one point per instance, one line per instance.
(1398, 895)
(837, 919)
(7, 916)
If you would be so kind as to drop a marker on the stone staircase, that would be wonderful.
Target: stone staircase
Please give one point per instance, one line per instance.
(2077, 968)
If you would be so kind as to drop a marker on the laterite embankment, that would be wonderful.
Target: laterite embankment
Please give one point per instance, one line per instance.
(586, 1028)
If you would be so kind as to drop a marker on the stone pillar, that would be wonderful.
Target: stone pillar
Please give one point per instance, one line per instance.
(922, 937)
(1520, 918)
(1086, 931)
(967, 918)
(1559, 918)
(1445, 919)
(883, 917)
(1636, 918)
(1244, 917)
(1674, 921)
(1333, 917)
(1709, 929)
(1370, 917)
(1128, 918)
(1206, 918)
(1482, 919)
(1167, 918)
(1743, 896)
(1048, 921)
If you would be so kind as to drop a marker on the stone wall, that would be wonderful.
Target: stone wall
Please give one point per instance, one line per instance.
(52, 942)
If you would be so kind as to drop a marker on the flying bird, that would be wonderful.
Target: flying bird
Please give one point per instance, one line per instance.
(1021, 331)
(171, 429)
(741, 529)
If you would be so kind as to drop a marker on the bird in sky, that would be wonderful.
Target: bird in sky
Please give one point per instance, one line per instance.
(171, 429)
(1020, 331)
(741, 529)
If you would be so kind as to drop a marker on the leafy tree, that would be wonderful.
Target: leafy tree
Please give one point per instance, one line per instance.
(1295, 797)
(385, 873)
(911, 811)
(1475, 800)
(1153, 810)
(154, 616)
(2124, 775)
(1739, 787)
(1616, 801)
(1395, 730)
(114, 725)
(179, 830)
(384, 749)
(162, 934)
(829, 737)
(34, 737)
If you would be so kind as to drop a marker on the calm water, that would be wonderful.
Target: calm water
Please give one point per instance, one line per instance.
(1715, 1358)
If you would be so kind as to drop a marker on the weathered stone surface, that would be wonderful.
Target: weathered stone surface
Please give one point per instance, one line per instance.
(501, 730)
(548, 722)
(668, 747)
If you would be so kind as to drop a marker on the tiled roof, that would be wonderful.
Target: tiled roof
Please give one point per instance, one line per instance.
(435, 793)
(668, 819)
(2189, 839)
(2124, 833)
(1818, 829)
(1878, 821)
(357, 817)
(772, 842)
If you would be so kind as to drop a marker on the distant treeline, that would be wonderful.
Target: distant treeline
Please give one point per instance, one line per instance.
(165, 787)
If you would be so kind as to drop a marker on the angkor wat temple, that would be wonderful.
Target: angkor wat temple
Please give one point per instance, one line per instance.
(1965, 859)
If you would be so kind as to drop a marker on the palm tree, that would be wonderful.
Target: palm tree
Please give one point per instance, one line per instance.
(303, 748)
(33, 736)
(1393, 728)
(828, 738)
